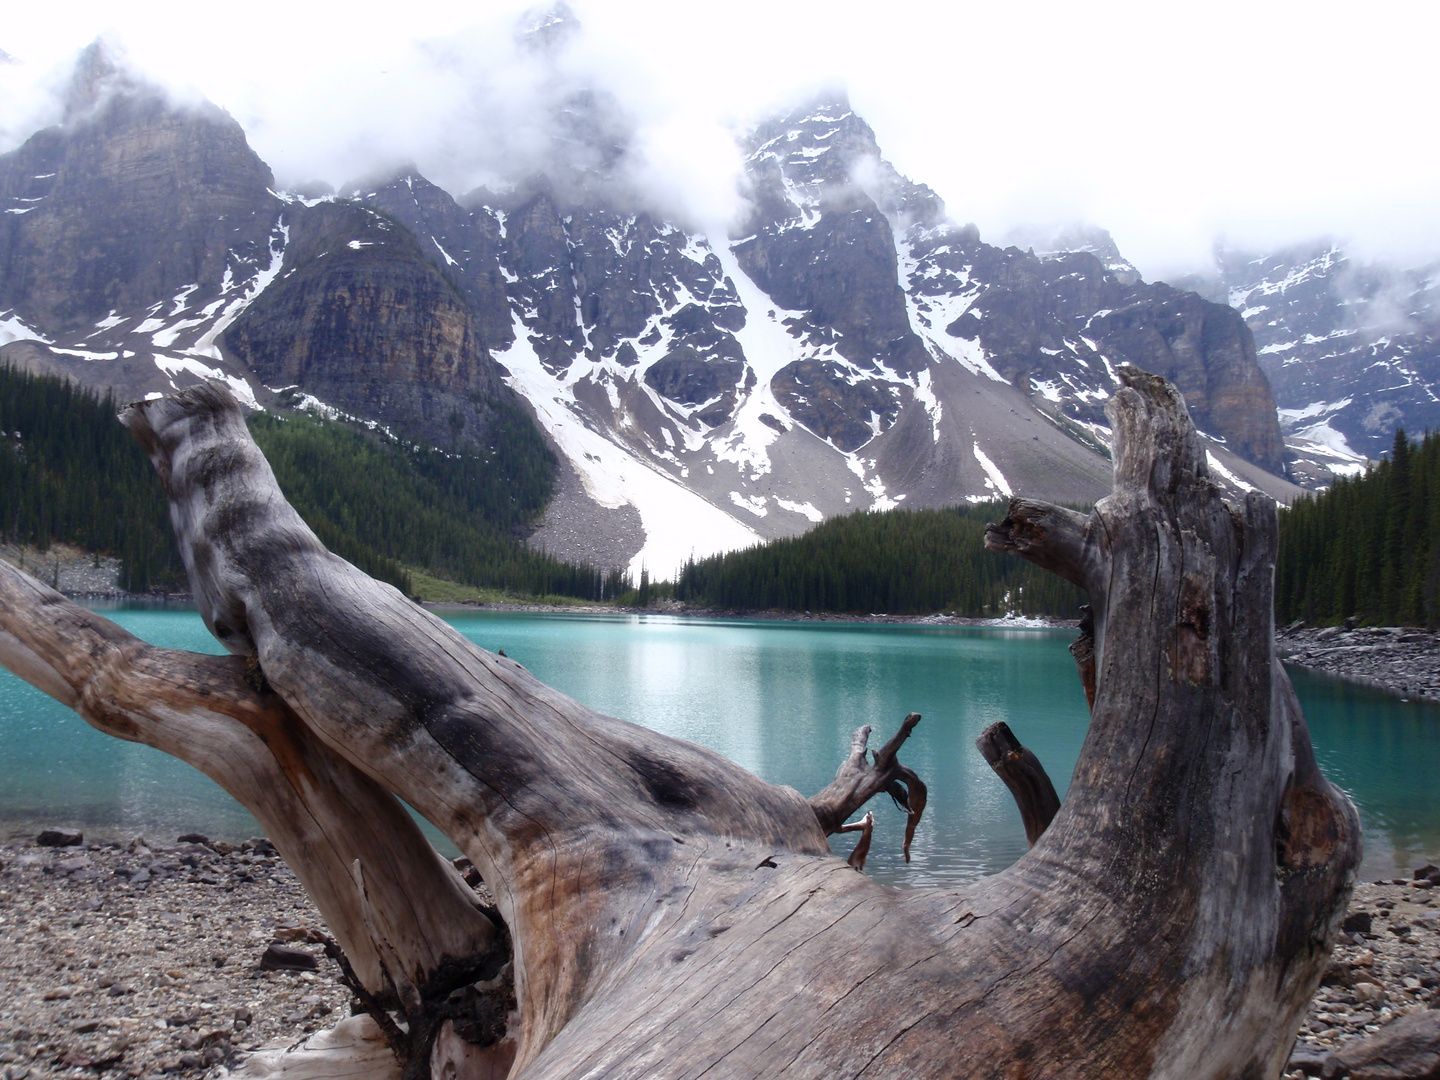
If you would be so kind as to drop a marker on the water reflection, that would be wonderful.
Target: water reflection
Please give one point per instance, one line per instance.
(1385, 753)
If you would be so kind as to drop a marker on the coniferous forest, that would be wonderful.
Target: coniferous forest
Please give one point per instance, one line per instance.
(896, 562)
(70, 473)
(1368, 547)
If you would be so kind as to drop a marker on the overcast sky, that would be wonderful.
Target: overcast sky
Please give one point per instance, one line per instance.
(1169, 124)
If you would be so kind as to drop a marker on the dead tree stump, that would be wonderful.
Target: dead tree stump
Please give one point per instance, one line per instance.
(664, 913)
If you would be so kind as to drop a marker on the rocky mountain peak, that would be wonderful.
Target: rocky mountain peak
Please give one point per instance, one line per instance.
(815, 144)
(99, 72)
(547, 28)
(130, 202)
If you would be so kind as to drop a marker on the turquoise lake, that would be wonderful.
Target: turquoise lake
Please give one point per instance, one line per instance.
(780, 698)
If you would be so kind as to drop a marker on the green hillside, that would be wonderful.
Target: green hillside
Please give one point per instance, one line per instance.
(897, 562)
(69, 472)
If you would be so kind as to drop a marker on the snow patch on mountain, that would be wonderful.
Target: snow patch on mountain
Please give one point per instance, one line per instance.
(13, 328)
(279, 240)
(768, 347)
(994, 478)
(805, 509)
(175, 365)
(678, 523)
(1226, 474)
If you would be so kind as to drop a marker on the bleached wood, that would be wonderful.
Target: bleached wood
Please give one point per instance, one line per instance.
(673, 916)
(353, 1049)
(321, 813)
(858, 780)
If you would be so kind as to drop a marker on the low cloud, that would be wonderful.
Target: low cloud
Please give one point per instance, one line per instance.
(1166, 126)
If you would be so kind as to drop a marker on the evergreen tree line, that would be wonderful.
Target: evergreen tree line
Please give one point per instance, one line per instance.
(70, 473)
(451, 515)
(897, 562)
(1368, 547)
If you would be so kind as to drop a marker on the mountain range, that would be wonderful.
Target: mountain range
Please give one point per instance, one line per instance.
(1351, 349)
(844, 345)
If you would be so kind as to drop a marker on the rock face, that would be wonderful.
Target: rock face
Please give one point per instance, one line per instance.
(362, 321)
(1352, 350)
(128, 204)
(819, 246)
(140, 233)
(1206, 350)
(465, 247)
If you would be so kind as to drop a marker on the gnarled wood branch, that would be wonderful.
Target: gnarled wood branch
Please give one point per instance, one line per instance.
(1054, 537)
(857, 781)
(673, 916)
(421, 926)
(1023, 774)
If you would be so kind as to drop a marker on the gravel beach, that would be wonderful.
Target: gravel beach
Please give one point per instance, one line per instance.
(1387, 966)
(145, 960)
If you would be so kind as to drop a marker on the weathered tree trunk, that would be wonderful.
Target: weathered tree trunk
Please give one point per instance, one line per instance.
(671, 915)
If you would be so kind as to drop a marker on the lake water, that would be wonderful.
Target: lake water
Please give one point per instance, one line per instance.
(780, 698)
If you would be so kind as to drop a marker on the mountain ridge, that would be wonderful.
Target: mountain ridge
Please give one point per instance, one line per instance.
(848, 347)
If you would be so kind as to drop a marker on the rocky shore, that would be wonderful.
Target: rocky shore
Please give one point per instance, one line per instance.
(67, 568)
(1401, 660)
(151, 960)
(1385, 967)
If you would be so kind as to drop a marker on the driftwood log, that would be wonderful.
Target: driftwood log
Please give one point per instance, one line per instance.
(664, 913)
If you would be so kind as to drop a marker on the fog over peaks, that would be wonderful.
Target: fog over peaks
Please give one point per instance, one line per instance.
(1168, 128)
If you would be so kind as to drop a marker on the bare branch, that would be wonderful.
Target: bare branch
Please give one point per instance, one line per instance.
(857, 781)
(865, 826)
(1051, 537)
(1023, 775)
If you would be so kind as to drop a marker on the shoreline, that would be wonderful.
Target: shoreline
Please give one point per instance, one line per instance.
(1403, 661)
(144, 959)
(184, 601)
(1018, 622)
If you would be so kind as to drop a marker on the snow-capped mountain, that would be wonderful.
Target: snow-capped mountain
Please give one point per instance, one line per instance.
(847, 346)
(1352, 350)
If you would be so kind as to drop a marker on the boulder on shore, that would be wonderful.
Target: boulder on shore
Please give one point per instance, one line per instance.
(60, 838)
